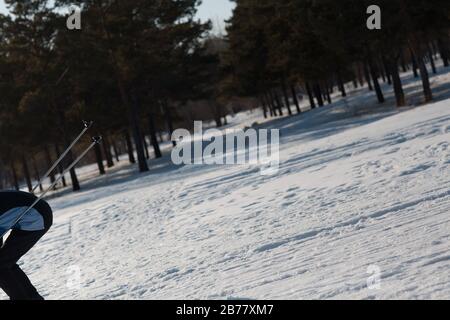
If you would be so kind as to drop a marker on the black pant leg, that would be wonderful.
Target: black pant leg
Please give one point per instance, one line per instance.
(21, 278)
(15, 283)
(10, 286)
(12, 279)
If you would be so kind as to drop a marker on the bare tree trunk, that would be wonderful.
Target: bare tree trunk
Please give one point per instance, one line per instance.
(217, 113)
(169, 121)
(48, 158)
(402, 61)
(73, 175)
(14, 176)
(374, 75)
(107, 151)
(310, 95)
(425, 80)
(386, 70)
(444, 52)
(318, 94)
(99, 159)
(430, 56)
(398, 88)
(278, 103)
(286, 96)
(144, 141)
(381, 72)
(272, 107)
(36, 173)
(264, 106)
(66, 138)
(153, 138)
(294, 96)
(327, 93)
(360, 74)
(269, 105)
(129, 146)
(2, 178)
(115, 149)
(341, 84)
(26, 173)
(60, 166)
(367, 76)
(414, 64)
(137, 134)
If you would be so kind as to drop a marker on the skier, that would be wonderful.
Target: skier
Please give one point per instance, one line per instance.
(24, 235)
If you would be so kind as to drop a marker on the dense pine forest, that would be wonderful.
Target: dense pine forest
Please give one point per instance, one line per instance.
(137, 67)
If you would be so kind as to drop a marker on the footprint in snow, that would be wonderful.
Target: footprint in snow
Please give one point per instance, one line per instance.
(415, 170)
(250, 205)
(170, 271)
(391, 151)
(290, 196)
(287, 204)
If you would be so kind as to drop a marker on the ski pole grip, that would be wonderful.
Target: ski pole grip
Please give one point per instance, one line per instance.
(88, 124)
(97, 139)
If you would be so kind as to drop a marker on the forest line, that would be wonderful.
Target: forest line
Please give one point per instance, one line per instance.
(137, 68)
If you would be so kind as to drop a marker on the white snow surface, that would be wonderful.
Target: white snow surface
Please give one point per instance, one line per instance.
(360, 188)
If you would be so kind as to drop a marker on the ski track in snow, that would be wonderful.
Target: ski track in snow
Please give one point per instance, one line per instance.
(352, 192)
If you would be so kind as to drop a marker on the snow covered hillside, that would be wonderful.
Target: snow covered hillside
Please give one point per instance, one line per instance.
(357, 193)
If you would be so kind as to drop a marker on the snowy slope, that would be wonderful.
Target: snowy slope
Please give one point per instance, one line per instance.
(356, 192)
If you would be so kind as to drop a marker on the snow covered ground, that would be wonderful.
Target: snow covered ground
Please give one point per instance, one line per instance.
(360, 209)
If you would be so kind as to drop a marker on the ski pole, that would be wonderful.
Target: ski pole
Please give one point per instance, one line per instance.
(87, 125)
(95, 140)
